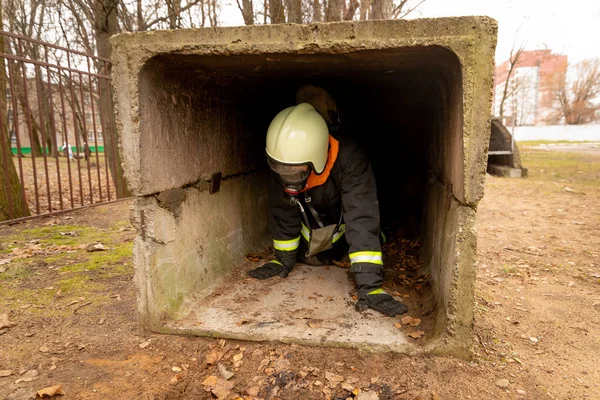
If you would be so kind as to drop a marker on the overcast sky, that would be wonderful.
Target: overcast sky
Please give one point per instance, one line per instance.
(566, 27)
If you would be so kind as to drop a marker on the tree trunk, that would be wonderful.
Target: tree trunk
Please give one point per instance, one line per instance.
(364, 9)
(294, 8)
(352, 7)
(105, 26)
(173, 11)
(317, 16)
(276, 10)
(247, 9)
(381, 9)
(334, 10)
(12, 196)
(46, 115)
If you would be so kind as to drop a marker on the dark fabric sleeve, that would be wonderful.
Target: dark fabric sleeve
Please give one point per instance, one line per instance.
(361, 215)
(284, 224)
(359, 199)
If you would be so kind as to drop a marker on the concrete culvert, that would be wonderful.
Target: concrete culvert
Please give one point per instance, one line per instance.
(193, 107)
(504, 158)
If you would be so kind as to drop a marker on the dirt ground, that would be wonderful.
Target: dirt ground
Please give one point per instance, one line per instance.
(53, 184)
(67, 312)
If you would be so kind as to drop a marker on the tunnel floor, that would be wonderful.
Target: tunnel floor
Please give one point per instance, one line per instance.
(314, 305)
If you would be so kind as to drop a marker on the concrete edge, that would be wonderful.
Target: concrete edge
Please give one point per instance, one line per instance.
(131, 52)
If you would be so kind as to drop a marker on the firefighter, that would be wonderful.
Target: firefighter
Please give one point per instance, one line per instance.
(323, 203)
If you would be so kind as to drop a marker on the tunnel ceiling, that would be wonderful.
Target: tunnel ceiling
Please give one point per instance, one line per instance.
(385, 65)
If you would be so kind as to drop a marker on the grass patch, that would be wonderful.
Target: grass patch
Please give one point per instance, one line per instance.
(52, 235)
(573, 168)
(110, 262)
(18, 297)
(551, 142)
(16, 273)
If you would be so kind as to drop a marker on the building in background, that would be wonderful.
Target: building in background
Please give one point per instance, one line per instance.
(528, 98)
(67, 111)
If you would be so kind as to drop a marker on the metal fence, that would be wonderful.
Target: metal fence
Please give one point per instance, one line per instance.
(57, 126)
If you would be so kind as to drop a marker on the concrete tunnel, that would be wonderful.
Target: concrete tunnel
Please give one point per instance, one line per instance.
(193, 107)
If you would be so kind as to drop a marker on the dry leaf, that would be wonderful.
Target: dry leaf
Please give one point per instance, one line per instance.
(238, 357)
(415, 322)
(49, 391)
(406, 320)
(4, 322)
(269, 370)
(252, 257)
(28, 376)
(374, 380)
(209, 381)
(145, 344)
(333, 378)
(416, 334)
(176, 379)
(5, 373)
(253, 391)
(95, 247)
(222, 389)
(314, 325)
(263, 364)
(225, 373)
(213, 357)
(398, 325)
(241, 322)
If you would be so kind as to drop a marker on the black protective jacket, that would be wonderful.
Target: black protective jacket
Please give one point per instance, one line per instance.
(351, 189)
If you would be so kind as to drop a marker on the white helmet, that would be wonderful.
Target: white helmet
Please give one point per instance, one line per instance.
(297, 141)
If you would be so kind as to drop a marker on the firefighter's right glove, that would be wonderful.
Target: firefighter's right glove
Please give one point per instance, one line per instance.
(382, 302)
(269, 270)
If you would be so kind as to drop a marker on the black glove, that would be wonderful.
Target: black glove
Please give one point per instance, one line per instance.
(382, 302)
(269, 270)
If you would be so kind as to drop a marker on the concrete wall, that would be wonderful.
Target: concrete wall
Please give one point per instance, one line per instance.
(557, 132)
(191, 103)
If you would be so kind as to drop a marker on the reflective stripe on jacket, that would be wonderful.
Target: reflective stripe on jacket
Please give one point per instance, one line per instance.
(351, 182)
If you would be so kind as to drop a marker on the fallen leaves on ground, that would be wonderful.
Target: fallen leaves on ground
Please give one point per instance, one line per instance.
(95, 247)
(252, 257)
(49, 391)
(225, 373)
(333, 379)
(416, 334)
(407, 320)
(214, 356)
(5, 322)
(221, 388)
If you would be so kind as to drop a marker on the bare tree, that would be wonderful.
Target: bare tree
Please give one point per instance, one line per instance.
(246, 7)
(513, 60)
(578, 99)
(12, 196)
(307, 11)
(294, 8)
(28, 18)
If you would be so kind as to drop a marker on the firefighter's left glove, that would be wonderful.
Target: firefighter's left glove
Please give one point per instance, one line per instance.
(269, 270)
(382, 302)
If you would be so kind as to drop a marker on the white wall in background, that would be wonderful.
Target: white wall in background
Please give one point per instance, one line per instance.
(557, 132)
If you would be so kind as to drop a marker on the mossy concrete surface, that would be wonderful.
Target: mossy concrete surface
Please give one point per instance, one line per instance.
(194, 104)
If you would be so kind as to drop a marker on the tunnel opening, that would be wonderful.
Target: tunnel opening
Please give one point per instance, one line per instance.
(207, 114)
